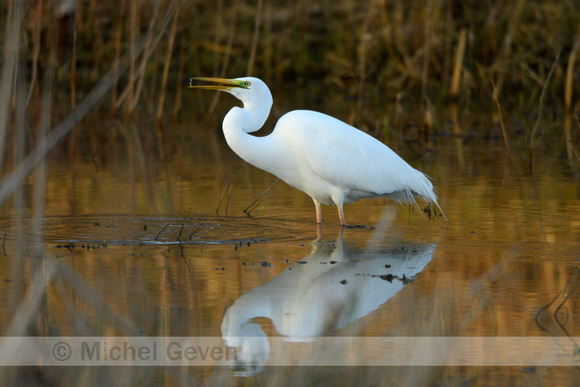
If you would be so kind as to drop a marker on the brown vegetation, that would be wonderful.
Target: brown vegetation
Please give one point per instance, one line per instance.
(445, 48)
(63, 59)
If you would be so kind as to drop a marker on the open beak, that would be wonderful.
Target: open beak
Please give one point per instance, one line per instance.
(226, 84)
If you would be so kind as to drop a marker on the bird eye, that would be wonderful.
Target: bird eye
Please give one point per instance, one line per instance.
(247, 83)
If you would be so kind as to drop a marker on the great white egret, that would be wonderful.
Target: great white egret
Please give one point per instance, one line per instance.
(329, 160)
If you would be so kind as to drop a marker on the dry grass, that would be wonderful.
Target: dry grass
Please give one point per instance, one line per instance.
(445, 49)
(139, 49)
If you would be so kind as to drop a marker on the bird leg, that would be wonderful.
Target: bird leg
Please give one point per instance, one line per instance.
(340, 233)
(318, 211)
(318, 233)
(341, 215)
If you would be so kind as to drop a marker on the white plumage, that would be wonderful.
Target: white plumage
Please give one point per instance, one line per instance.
(331, 161)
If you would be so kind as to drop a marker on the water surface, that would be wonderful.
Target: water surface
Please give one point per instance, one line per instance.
(154, 225)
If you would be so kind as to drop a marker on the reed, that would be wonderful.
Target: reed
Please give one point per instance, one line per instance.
(382, 50)
(570, 71)
(117, 37)
(256, 36)
(23, 153)
(232, 30)
(458, 65)
(166, 68)
(180, 71)
(503, 130)
(420, 51)
(533, 134)
(570, 148)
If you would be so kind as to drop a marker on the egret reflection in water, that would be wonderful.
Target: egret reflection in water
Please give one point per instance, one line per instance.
(336, 284)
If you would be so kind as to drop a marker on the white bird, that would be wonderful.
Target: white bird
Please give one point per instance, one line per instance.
(329, 160)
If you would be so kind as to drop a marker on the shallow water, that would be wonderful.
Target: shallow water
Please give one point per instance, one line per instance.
(154, 224)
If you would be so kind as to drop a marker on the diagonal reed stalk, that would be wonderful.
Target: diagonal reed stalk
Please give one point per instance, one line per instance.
(166, 68)
(13, 179)
(255, 38)
(11, 49)
(503, 131)
(533, 141)
(226, 60)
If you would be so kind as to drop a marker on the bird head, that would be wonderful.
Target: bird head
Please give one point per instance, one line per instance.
(251, 91)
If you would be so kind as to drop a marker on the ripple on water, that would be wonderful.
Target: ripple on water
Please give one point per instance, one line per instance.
(148, 230)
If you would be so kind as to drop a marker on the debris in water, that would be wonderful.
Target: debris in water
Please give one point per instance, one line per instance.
(387, 277)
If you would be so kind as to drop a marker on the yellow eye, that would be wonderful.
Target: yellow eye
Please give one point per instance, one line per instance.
(247, 83)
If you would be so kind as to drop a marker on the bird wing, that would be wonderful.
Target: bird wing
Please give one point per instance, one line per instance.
(351, 159)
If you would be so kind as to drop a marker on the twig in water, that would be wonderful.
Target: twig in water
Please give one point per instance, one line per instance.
(195, 232)
(228, 202)
(163, 229)
(183, 256)
(217, 210)
(256, 206)
(181, 248)
(251, 207)
(181, 245)
(557, 311)
(573, 277)
(180, 231)
(4, 244)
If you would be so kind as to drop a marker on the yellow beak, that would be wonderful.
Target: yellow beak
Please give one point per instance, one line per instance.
(227, 84)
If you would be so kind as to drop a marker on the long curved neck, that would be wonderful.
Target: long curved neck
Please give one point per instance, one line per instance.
(236, 126)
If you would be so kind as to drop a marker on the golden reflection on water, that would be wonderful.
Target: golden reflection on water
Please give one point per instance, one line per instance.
(139, 226)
